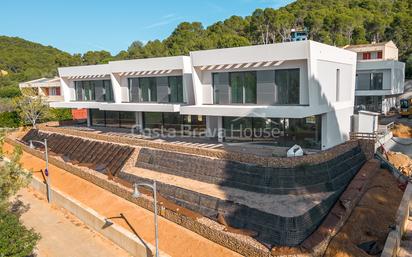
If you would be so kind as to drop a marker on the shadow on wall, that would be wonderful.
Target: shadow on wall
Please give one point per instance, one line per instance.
(121, 216)
(322, 184)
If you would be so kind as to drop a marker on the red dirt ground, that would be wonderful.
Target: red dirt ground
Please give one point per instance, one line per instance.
(371, 218)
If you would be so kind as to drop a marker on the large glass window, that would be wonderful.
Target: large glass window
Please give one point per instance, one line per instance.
(368, 103)
(145, 89)
(236, 87)
(112, 119)
(274, 87)
(377, 81)
(134, 90)
(174, 121)
(243, 87)
(152, 120)
(250, 87)
(97, 118)
(127, 119)
(216, 88)
(238, 127)
(94, 90)
(194, 123)
(99, 91)
(287, 82)
(369, 81)
(108, 91)
(286, 132)
(148, 89)
(176, 89)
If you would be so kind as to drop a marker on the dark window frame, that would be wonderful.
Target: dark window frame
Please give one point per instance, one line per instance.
(371, 86)
(180, 94)
(182, 120)
(217, 101)
(119, 114)
(89, 85)
(243, 86)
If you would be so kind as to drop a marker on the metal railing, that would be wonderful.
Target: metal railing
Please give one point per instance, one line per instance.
(382, 131)
(363, 135)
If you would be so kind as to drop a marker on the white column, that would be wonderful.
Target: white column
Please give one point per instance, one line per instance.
(220, 131)
(117, 90)
(139, 121)
(208, 127)
(89, 122)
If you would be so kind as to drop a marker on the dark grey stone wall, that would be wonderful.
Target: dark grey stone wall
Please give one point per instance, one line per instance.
(272, 229)
(100, 156)
(330, 176)
(323, 177)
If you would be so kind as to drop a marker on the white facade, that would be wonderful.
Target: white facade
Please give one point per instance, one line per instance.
(322, 77)
(326, 85)
(379, 76)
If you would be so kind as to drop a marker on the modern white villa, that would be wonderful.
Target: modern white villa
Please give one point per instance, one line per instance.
(286, 93)
(380, 77)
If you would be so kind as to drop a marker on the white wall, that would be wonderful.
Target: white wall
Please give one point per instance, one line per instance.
(393, 76)
(116, 72)
(206, 84)
(258, 53)
(366, 122)
(330, 89)
(317, 63)
(336, 126)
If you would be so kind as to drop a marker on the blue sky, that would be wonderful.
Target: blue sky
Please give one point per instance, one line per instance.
(77, 26)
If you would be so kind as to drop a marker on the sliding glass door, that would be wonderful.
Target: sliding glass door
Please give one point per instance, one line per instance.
(94, 90)
(243, 87)
(148, 90)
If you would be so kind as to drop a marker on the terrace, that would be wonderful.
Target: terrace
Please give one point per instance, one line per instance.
(266, 148)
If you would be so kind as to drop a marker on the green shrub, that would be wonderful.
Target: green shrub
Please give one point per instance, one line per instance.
(58, 114)
(9, 119)
(9, 92)
(15, 239)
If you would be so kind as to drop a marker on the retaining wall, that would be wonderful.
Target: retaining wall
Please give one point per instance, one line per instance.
(117, 234)
(272, 229)
(220, 237)
(328, 176)
(283, 162)
(331, 176)
(100, 156)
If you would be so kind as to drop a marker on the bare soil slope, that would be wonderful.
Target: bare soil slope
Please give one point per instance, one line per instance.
(401, 130)
(371, 218)
(401, 161)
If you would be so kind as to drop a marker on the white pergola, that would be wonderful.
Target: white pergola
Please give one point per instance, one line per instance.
(88, 76)
(145, 72)
(241, 65)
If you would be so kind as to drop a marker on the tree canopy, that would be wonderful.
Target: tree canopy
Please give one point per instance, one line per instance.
(329, 21)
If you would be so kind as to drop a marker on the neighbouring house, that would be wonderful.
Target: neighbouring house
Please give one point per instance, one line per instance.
(379, 77)
(300, 92)
(50, 90)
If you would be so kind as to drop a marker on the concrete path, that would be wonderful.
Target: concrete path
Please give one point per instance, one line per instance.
(63, 235)
(397, 144)
(173, 239)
